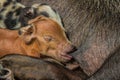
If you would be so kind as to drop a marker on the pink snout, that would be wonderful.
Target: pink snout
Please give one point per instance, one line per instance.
(65, 51)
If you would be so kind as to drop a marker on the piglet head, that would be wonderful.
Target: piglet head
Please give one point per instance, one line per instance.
(50, 39)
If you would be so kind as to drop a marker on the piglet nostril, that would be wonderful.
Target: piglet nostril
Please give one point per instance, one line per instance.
(73, 48)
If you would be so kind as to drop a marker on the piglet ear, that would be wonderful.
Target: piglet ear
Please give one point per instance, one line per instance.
(27, 33)
(39, 18)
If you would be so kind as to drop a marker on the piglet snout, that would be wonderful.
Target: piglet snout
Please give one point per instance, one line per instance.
(71, 49)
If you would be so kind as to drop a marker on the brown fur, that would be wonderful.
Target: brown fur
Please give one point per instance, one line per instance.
(42, 37)
(94, 26)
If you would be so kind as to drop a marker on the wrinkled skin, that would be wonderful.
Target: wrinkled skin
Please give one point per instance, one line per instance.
(93, 25)
(110, 69)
